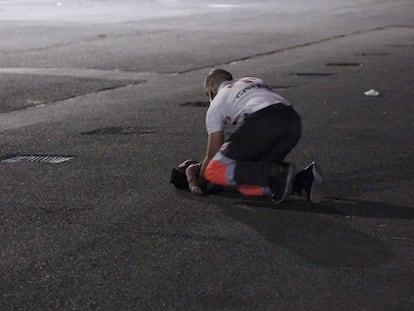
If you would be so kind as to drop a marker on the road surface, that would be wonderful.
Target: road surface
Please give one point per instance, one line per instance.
(113, 91)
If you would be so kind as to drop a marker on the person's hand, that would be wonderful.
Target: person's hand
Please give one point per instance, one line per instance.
(183, 166)
(192, 173)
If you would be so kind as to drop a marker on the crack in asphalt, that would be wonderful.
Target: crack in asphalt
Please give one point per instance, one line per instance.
(45, 103)
(294, 47)
(114, 75)
(97, 37)
(57, 71)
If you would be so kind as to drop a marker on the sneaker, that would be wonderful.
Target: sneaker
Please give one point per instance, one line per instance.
(280, 181)
(310, 180)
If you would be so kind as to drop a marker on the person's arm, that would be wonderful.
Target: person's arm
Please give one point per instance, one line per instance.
(215, 140)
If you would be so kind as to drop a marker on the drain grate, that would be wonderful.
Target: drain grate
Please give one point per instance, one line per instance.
(122, 130)
(53, 159)
(402, 45)
(280, 87)
(343, 64)
(196, 104)
(374, 54)
(312, 74)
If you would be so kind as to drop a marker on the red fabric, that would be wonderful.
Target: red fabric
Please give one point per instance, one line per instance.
(251, 190)
(216, 173)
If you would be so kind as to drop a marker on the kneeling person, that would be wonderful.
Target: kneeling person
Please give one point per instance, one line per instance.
(268, 128)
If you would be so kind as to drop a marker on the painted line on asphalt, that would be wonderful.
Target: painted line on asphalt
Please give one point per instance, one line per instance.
(114, 75)
(222, 6)
(97, 37)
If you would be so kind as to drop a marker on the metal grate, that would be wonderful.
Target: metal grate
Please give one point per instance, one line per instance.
(196, 104)
(122, 130)
(373, 54)
(280, 87)
(402, 45)
(312, 74)
(53, 159)
(344, 64)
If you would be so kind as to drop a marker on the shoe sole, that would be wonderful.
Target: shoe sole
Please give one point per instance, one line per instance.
(289, 182)
(316, 193)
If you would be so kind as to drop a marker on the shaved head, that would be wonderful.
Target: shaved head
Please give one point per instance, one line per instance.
(218, 75)
(214, 78)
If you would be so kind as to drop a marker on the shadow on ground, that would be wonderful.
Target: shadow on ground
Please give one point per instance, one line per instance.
(326, 242)
(320, 241)
(338, 206)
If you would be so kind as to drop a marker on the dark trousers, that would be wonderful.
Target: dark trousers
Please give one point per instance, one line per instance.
(263, 141)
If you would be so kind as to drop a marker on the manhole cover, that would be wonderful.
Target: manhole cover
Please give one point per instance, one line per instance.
(340, 64)
(196, 104)
(122, 130)
(312, 74)
(53, 159)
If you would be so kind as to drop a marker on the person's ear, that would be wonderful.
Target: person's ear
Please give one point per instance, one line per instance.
(214, 88)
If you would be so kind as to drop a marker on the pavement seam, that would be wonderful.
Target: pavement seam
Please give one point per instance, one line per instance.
(242, 59)
(294, 47)
(118, 75)
(43, 104)
(97, 37)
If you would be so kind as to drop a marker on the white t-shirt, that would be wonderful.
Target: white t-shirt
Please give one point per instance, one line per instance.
(237, 98)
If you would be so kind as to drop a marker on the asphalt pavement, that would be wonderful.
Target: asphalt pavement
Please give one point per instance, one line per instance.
(98, 101)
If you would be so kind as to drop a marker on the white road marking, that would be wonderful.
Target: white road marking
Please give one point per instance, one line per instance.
(82, 73)
(222, 6)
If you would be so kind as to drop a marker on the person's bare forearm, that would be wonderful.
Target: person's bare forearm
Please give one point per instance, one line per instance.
(192, 173)
(204, 164)
(215, 140)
